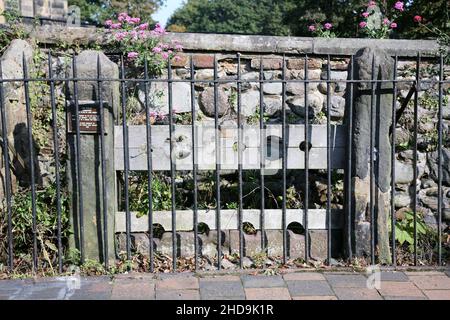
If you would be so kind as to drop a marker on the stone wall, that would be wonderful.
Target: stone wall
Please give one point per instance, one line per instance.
(270, 50)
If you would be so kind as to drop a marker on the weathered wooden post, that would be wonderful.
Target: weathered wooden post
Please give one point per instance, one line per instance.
(85, 158)
(372, 119)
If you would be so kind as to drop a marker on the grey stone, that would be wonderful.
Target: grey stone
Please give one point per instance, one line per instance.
(250, 76)
(404, 171)
(89, 155)
(273, 88)
(402, 199)
(158, 97)
(362, 115)
(322, 87)
(227, 264)
(204, 74)
(206, 101)
(315, 104)
(184, 244)
(433, 164)
(247, 262)
(249, 103)
(337, 107)
(295, 88)
(272, 105)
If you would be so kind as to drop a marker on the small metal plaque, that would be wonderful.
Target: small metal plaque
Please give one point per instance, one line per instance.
(88, 117)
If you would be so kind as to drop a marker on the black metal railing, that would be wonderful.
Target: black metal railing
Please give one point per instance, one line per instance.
(216, 81)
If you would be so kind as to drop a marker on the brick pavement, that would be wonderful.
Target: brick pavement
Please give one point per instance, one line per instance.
(189, 286)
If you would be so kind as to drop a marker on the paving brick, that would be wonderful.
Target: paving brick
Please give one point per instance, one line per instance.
(315, 298)
(309, 288)
(305, 276)
(431, 282)
(177, 295)
(397, 288)
(346, 280)
(438, 294)
(393, 276)
(43, 291)
(404, 298)
(357, 294)
(221, 289)
(267, 294)
(97, 289)
(221, 278)
(262, 281)
(424, 273)
(133, 290)
(178, 283)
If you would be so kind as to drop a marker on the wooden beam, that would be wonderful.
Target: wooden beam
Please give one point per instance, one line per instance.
(205, 147)
(317, 219)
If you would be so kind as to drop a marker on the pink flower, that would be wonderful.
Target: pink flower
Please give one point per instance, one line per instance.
(108, 23)
(115, 25)
(393, 25)
(417, 19)
(135, 20)
(312, 28)
(371, 4)
(120, 35)
(157, 50)
(327, 26)
(143, 26)
(165, 55)
(153, 114)
(365, 14)
(123, 16)
(177, 58)
(362, 24)
(179, 47)
(386, 21)
(399, 5)
(142, 34)
(132, 55)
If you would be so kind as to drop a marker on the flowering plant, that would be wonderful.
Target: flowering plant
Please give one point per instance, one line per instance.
(135, 39)
(323, 31)
(377, 23)
(442, 37)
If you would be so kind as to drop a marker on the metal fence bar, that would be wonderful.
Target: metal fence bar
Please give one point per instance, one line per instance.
(328, 164)
(149, 165)
(31, 163)
(306, 162)
(194, 163)
(416, 97)
(349, 160)
(262, 151)
(103, 164)
(217, 151)
(440, 129)
(8, 185)
(77, 149)
(126, 159)
(284, 164)
(240, 149)
(56, 156)
(393, 135)
(172, 167)
(372, 160)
